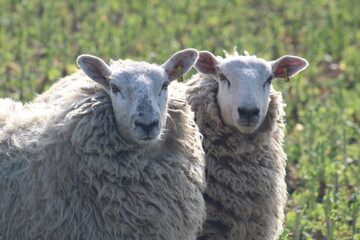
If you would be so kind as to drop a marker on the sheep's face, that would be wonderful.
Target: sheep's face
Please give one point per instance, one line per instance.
(138, 92)
(243, 94)
(244, 85)
(139, 98)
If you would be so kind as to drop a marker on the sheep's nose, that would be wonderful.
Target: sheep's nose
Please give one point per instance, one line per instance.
(248, 113)
(147, 127)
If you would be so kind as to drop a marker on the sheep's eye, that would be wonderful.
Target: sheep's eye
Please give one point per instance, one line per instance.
(165, 85)
(223, 78)
(268, 81)
(114, 88)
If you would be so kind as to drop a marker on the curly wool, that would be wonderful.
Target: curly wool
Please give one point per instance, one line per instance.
(67, 173)
(246, 191)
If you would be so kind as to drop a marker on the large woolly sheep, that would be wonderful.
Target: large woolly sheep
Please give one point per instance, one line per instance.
(241, 118)
(106, 158)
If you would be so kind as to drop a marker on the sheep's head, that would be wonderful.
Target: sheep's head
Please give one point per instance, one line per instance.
(138, 92)
(244, 85)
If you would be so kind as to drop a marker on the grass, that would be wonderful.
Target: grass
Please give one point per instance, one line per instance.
(40, 40)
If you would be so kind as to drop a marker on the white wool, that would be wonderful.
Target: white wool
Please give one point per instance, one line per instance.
(245, 165)
(66, 172)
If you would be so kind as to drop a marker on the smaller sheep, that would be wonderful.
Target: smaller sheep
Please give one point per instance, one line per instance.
(104, 154)
(241, 118)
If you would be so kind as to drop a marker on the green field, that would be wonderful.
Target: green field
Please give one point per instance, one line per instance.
(40, 40)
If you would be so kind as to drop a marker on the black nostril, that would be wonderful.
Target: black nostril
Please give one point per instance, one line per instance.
(242, 112)
(154, 124)
(255, 112)
(248, 113)
(147, 127)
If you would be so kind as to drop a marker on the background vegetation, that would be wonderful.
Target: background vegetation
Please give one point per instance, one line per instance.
(40, 40)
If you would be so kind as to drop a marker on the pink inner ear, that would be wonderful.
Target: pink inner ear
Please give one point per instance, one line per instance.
(172, 72)
(292, 67)
(176, 65)
(205, 64)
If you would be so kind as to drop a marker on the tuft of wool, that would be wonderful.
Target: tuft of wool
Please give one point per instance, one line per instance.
(246, 191)
(65, 172)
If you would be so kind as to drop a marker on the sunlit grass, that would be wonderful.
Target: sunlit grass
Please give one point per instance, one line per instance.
(40, 40)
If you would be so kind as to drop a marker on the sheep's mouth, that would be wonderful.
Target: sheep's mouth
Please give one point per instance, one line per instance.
(248, 124)
(147, 140)
(146, 133)
(247, 127)
(145, 136)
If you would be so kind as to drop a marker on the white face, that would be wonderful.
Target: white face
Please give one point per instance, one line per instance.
(243, 96)
(138, 92)
(244, 85)
(139, 99)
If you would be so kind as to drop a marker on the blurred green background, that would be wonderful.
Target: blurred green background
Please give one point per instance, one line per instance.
(40, 40)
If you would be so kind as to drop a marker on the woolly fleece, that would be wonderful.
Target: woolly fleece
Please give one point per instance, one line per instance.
(65, 172)
(246, 190)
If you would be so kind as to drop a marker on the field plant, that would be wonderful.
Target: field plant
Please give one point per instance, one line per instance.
(40, 40)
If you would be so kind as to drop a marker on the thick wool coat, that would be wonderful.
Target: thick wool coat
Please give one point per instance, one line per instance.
(65, 172)
(246, 190)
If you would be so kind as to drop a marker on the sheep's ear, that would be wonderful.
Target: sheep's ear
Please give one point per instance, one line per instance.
(288, 66)
(95, 68)
(180, 63)
(207, 63)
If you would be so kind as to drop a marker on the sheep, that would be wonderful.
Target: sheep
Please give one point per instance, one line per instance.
(105, 155)
(241, 118)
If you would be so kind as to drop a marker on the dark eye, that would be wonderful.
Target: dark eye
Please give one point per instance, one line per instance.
(268, 81)
(223, 78)
(114, 88)
(165, 85)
